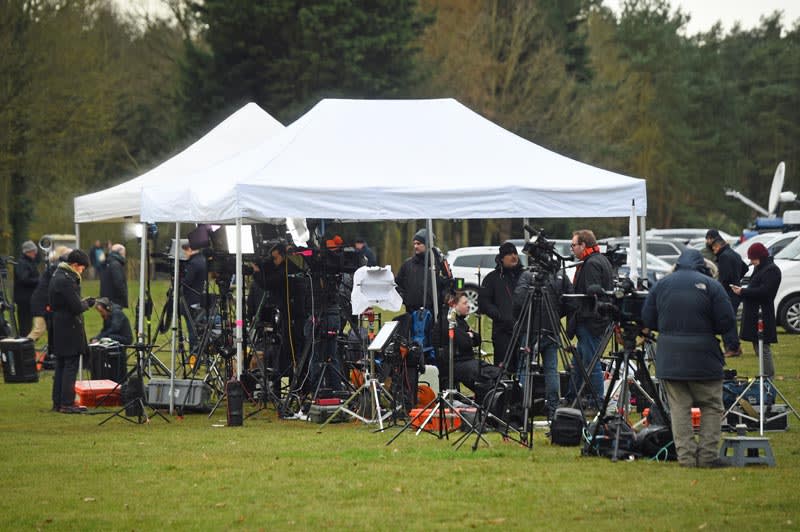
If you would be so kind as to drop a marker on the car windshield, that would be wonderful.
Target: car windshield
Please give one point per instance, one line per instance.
(790, 252)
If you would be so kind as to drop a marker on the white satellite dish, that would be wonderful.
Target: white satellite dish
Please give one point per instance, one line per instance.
(776, 188)
(776, 195)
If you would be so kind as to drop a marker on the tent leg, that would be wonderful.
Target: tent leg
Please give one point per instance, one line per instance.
(643, 238)
(239, 281)
(175, 297)
(142, 281)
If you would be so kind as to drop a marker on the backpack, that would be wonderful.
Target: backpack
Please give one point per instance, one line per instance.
(421, 325)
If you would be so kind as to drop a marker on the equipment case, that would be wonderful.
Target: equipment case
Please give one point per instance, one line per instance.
(189, 394)
(18, 356)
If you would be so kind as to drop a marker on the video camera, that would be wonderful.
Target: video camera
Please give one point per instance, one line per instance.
(541, 252)
(622, 304)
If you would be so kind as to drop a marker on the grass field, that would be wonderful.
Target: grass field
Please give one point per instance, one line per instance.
(63, 472)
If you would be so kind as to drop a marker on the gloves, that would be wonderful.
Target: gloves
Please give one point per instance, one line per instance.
(89, 301)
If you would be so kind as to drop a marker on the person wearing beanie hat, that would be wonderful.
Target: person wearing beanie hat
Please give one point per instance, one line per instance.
(26, 276)
(411, 277)
(69, 336)
(731, 270)
(759, 294)
(496, 300)
(421, 236)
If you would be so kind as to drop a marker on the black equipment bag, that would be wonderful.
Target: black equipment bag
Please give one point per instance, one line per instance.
(656, 441)
(107, 361)
(235, 403)
(603, 444)
(567, 427)
(18, 356)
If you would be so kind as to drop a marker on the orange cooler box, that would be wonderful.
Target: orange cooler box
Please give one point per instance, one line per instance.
(452, 420)
(98, 393)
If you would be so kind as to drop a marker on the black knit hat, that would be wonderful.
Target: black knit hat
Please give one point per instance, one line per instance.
(421, 236)
(713, 234)
(507, 248)
(76, 256)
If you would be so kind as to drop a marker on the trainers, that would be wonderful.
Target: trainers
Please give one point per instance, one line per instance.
(733, 353)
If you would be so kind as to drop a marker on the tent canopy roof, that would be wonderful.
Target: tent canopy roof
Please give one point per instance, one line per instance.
(241, 131)
(395, 159)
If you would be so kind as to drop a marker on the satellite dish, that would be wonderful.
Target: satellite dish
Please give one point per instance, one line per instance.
(777, 187)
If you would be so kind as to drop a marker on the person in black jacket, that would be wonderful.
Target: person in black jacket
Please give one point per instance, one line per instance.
(545, 322)
(69, 336)
(412, 278)
(585, 323)
(26, 277)
(475, 374)
(496, 300)
(40, 298)
(760, 294)
(364, 250)
(282, 289)
(113, 281)
(731, 269)
(193, 287)
(115, 323)
(688, 308)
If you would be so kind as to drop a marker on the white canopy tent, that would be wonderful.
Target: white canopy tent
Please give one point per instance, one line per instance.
(244, 129)
(398, 159)
(401, 159)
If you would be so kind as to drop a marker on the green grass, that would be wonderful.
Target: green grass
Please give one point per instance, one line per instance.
(63, 472)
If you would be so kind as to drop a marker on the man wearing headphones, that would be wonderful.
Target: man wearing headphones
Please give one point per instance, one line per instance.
(496, 300)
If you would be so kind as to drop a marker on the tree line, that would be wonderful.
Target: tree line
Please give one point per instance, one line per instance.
(91, 96)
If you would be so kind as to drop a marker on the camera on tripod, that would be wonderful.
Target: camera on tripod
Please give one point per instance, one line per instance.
(542, 254)
(622, 304)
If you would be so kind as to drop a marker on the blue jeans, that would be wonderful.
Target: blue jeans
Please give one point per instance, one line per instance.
(549, 350)
(586, 348)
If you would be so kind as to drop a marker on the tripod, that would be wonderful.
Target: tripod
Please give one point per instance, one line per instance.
(370, 392)
(629, 331)
(443, 405)
(136, 406)
(763, 382)
(541, 328)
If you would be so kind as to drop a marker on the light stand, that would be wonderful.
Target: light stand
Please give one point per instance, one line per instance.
(762, 381)
(372, 390)
(137, 404)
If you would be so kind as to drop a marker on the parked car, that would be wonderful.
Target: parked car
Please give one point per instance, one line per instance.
(787, 300)
(473, 264)
(687, 234)
(774, 242)
(667, 249)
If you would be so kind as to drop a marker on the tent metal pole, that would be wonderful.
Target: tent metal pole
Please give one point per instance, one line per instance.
(142, 281)
(643, 238)
(525, 233)
(78, 236)
(432, 262)
(239, 281)
(175, 297)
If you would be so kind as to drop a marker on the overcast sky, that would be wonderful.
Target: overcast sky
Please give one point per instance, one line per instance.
(704, 13)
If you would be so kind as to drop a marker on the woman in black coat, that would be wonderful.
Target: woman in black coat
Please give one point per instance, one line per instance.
(69, 336)
(760, 294)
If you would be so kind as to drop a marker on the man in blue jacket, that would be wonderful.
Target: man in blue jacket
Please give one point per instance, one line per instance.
(688, 308)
